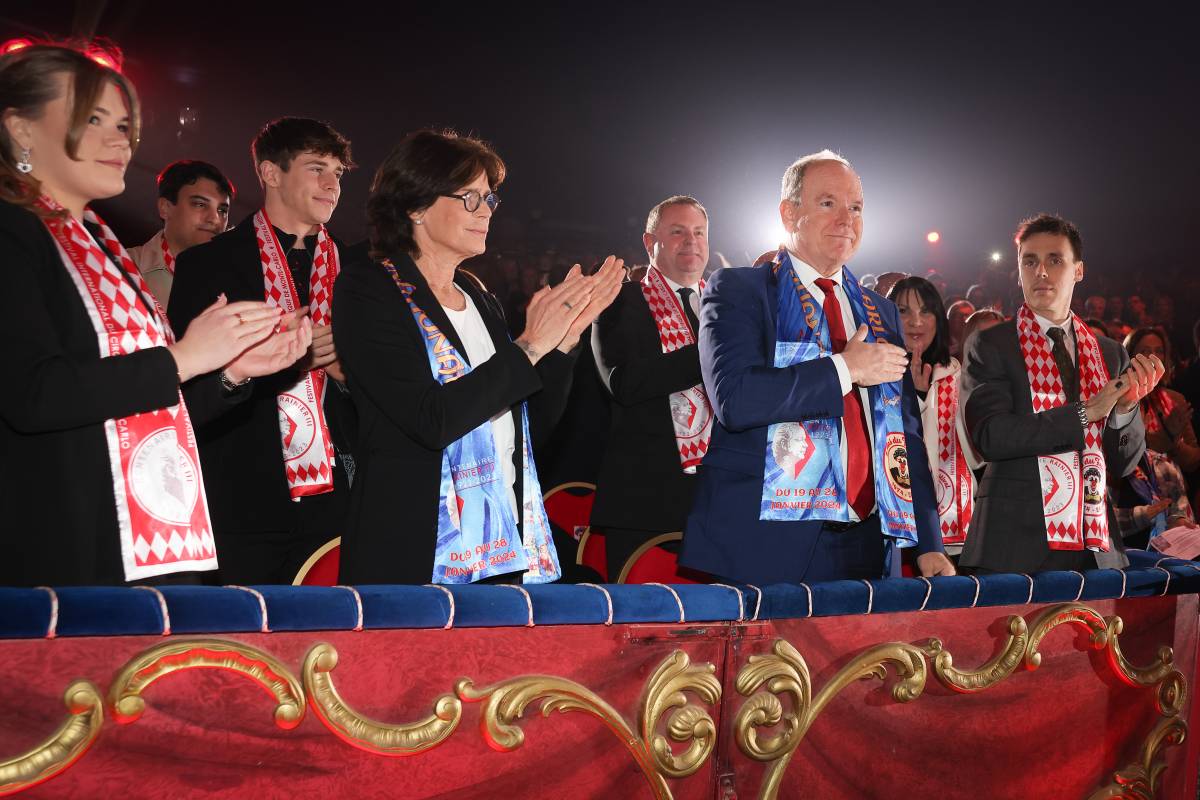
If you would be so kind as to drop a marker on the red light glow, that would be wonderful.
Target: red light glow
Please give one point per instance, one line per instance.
(933, 237)
(104, 58)
(13, 45)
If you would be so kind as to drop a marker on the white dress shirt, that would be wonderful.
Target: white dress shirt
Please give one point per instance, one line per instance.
(479, 346)
(808, 276)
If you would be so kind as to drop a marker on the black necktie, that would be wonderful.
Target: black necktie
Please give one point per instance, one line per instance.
(685, 297)
(1066, 366)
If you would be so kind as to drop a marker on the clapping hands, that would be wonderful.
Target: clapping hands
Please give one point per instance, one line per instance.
(556, 317)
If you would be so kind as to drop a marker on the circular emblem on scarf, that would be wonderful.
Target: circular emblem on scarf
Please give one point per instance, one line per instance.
(163, 479)
(297, 425)
(945, 492)
(895, 462)
(791, 448)
(1058, 485)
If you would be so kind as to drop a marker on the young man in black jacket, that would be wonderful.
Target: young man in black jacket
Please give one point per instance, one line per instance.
(275, 464)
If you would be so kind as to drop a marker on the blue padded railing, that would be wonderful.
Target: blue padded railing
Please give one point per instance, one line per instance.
(112, 611)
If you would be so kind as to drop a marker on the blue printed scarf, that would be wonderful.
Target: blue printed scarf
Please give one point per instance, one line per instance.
(477, 535)
(803, 479)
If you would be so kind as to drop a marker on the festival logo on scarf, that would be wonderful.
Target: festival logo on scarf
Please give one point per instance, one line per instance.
(792, 448)
(685, 414)
(163, 478)
(895, 460)
(945, 492)
(298, 425)
(1058, 485)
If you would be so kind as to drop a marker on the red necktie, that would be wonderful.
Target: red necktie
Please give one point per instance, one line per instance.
(860, 484)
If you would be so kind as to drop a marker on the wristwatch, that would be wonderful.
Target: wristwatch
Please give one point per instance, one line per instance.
(1079, 407)
(229, 385)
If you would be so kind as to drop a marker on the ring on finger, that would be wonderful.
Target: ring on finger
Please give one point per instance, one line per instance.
(568, 305)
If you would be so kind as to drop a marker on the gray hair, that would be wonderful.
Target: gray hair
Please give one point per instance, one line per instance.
(794, 174)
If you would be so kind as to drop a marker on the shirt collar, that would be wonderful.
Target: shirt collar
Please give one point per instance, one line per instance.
(808, 274)
(1044, 325)
(675, 287)
(287, 241)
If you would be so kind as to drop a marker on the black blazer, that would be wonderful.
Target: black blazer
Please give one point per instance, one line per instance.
(1008, 528)
(240, 449)
(56, 498)
(641, 484)
(406, 418)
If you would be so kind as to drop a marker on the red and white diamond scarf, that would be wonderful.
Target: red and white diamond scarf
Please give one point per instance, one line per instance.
(955, 483)
(168, 259)
(307, 445)
(691, 413)
(162, 512)
(1073, 489)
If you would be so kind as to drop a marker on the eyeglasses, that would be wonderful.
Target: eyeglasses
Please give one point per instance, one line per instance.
(471, 200)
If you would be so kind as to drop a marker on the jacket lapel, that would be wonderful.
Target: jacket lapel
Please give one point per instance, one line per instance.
(424, 298)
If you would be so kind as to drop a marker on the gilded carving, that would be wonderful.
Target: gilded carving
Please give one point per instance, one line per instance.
(63, 747)
(785, 672)
(1139, 781)
(993, 671)
(362, 732)
(138, 674)
(505, 702)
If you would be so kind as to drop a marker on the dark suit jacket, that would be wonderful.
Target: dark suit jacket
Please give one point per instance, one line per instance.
(240, 450)
(724, 534)
(641, 483)
(407, 418)
(56, 489)
(1008, 528)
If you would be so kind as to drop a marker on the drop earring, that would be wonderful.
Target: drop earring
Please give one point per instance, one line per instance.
(23, 164)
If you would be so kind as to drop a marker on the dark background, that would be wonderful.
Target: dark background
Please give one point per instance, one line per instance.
(958, 120)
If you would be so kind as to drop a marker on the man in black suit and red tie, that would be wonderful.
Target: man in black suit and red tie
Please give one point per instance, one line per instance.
(645, 349)
(1053, 409)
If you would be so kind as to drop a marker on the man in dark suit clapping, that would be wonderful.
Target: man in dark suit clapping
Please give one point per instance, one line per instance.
(645, 349)
(1053, 409)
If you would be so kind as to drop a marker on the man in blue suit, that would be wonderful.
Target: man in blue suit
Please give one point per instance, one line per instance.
(816, 469)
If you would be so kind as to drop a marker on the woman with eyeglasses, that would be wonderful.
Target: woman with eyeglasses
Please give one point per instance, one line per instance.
(446, 490)
(100, 481)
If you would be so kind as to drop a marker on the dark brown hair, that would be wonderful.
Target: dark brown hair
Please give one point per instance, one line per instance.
(281, 140)
(422, 167)
(675, 200)
(1050, 223)
(28, 81)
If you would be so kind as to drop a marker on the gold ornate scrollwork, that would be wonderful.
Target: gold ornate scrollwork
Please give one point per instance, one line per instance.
(63, 747)
(1064, 614)
(1136, 676)
(362, 732)
(125, 696)
(1139, 781)
(687, 723)
(785, 672)
(995, 670)
(505, 702)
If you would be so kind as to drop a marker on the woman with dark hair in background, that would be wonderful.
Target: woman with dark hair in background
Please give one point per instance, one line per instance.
(446, 490)
(100, 482)
(1166, 412)
(926, 330)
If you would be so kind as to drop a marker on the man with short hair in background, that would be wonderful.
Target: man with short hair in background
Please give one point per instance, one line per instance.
(193, 204)
(645, 350)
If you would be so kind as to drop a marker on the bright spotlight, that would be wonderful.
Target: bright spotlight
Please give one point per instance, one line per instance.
(933, 237)
(995, 255)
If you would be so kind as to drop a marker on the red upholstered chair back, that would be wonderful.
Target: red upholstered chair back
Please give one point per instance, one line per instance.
(321, 569)
(569, 507)
(651, 564)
